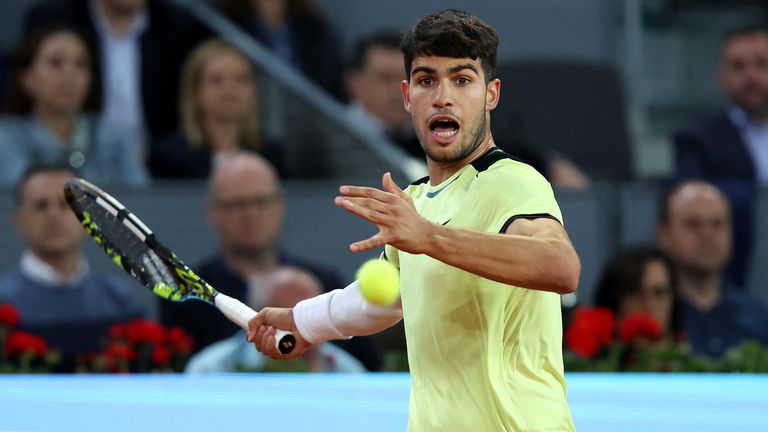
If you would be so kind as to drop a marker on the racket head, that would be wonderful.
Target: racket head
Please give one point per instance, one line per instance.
(132, 245)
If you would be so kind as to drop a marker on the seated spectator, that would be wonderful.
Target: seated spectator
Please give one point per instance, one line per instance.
(729, 148)
(55, 118)
(246, 207)
(57, 294)
(219, 115)
(641, 279)
(287, 287)
(373, 85)
(137, 47)
(694, 229)
(296, 32)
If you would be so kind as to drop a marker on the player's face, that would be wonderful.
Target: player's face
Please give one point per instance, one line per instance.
(655, 296)
(697, 234)
(247, 210)
(744, 72)
(59, 77)
(44, 219)
(377, 86)
(450, 103)
(227, 89)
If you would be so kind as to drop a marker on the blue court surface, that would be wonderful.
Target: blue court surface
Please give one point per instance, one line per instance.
(365, 402)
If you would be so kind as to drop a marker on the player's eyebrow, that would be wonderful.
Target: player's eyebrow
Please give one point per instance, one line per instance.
(461, 67)
(453, 70)
(427, 70)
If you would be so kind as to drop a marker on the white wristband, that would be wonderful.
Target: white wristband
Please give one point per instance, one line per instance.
(341, 314)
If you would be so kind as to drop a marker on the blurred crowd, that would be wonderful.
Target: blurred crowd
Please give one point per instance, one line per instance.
(127, 92)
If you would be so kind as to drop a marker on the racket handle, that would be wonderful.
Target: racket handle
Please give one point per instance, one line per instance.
(240, 314)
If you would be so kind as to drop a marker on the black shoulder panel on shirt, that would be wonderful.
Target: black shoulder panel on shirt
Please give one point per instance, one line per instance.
(491, 157)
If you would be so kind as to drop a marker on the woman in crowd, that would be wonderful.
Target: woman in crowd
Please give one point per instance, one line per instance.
(219, 115)
(640, 279)
(53, 116)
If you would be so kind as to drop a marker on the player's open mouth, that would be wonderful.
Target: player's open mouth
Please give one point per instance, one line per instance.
(444, 126)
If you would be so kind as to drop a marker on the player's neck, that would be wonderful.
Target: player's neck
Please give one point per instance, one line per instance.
(441, 171)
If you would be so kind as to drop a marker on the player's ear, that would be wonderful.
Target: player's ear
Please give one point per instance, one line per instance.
(492, 94)
(406, 96)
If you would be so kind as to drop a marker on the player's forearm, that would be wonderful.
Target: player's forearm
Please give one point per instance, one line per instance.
(341, 314)
(546, 264)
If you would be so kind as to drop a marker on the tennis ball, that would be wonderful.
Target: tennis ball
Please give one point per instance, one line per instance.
(379, 282)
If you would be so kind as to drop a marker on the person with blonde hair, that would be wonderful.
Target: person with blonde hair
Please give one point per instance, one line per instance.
(219, 111)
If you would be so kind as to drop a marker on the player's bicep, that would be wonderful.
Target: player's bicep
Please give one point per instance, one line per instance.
(545, 228)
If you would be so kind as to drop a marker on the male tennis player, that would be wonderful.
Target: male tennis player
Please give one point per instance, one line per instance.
(481, 248)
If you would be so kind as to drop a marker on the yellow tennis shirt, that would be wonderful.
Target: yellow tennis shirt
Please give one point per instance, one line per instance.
(484, 356)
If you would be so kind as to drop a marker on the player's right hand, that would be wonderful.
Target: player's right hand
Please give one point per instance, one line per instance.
(261, 331)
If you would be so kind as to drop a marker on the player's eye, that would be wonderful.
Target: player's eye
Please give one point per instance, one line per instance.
(426, 81)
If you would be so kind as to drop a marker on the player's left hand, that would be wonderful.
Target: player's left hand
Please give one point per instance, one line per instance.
(392, 211)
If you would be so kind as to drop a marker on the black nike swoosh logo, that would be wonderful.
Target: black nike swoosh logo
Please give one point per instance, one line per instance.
(446, 222)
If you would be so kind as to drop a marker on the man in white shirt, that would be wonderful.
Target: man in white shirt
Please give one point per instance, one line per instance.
(57, 294)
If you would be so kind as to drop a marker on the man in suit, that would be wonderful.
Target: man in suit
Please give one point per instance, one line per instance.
(731, 148)
(138, 47)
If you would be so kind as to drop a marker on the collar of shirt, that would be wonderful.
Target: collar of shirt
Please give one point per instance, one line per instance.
(42, 273)
(138, 26)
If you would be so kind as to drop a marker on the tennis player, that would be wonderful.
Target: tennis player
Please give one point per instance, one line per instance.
(482, 252)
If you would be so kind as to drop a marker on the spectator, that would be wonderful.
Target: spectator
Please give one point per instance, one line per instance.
(694, 229)
(641, 279)
(57, 294)
(287, 287)
(138, 47)
(373, 86)
(296, 32)
(729, 148)
(55, 119)
(245, 206)
(219, 114)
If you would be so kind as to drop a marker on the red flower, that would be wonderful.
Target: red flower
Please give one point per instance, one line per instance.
(160, 355)
(118, 350)
(140, 331)
(20, 342)
(180, 341)
(9, 316)
(639, 326)
(591, 329)
(117, 331)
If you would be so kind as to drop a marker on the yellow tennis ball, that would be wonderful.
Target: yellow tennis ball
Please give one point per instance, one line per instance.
(379, 282)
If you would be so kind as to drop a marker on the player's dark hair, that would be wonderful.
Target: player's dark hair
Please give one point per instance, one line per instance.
(389, 39)
(452, 33)
(36, 169)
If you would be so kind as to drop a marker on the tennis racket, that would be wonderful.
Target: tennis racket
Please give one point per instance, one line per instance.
(134, 248)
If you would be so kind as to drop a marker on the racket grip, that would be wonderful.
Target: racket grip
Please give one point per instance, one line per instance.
(240, 314)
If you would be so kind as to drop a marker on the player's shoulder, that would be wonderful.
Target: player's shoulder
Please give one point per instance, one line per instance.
(497, 168)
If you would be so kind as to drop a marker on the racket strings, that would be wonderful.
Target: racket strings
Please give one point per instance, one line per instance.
(127, 249)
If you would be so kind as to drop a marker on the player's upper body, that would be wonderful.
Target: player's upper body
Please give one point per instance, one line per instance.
(477, 346)
(479, 293)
